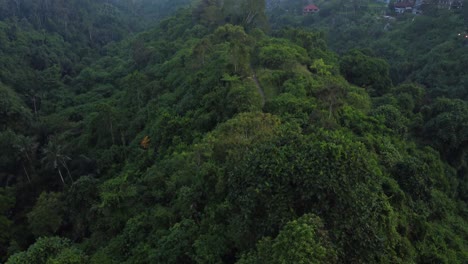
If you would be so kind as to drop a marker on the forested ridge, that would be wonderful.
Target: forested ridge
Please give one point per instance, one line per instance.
(235, 131)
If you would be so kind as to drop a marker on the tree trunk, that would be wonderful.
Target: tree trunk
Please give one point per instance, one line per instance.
(90, 35)
(35, 106)
(112, 132)
(17, 2)
(68, 171)
(61, 176)
(27, 174)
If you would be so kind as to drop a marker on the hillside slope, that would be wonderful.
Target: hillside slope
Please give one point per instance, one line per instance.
(161, 149)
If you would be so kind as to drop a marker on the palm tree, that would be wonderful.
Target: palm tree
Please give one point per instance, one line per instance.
(56, 159)
(26, 147)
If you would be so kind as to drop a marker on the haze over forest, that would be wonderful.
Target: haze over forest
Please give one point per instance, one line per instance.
(233, 131)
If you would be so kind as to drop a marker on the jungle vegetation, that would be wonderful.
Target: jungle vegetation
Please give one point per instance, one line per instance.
(228, 132)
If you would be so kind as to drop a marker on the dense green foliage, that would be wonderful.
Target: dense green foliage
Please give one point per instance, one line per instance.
(426, 49)
(208, 138)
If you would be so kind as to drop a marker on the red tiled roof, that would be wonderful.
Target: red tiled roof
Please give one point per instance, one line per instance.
(311, 7)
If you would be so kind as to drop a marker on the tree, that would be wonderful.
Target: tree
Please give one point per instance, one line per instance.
(136, 94)
(319, 67)
(301, 241)
(325, 172)
(392, 118)
(7, 201)
(176, 245)
(465, 14)
(446, 128)
(281, 55)
(13, 113)
(332, 95)
(55, 159)
(9, 156)
(46, 217)
(71, 255)
(410, 97)
(239, 48)
(247, 13)
(366, 71)
(145, 142)
(201, 50)
(414, 178)
(208, 12)
(50, 250)
(104, 127)
(27, 148)
(80, 198)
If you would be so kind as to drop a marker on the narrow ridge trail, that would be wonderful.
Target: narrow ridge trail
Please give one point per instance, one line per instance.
(259, 87)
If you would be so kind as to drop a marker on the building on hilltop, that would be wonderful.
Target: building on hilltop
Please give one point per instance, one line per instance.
(403, 6)
(310, 9)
